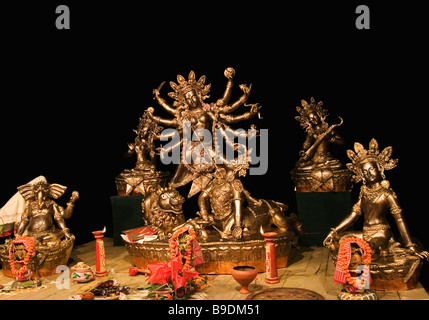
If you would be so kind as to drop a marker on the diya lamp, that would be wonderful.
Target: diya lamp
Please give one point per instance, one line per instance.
(270, 257)
(100, 270)
(244, 275)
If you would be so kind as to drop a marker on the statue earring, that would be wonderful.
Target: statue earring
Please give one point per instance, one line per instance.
(385, 183)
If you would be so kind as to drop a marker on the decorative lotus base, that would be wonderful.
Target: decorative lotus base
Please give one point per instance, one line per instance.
(140, 182)
(219, 256)
(51, 260)
(321, 180)
(393, 273)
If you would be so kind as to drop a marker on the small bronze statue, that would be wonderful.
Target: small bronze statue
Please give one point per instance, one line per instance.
(316, 169)
(143, 178)
(44, 221)
(40, 212)
(143, 145)
(376, 199)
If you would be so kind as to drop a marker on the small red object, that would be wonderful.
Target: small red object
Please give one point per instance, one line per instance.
(101, 270)
(133, 272)
(270, 258)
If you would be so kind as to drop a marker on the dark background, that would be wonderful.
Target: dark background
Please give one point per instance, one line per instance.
(71, 98)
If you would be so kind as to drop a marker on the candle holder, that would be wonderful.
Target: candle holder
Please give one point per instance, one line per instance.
(270, 258)
(101, 270)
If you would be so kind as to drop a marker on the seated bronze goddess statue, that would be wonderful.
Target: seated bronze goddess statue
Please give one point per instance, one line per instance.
(393, 264)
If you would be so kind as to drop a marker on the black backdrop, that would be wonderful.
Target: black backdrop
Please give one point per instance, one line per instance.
(71, 98)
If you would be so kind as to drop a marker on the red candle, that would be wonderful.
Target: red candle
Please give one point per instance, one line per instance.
(270, 258)
(100, 270)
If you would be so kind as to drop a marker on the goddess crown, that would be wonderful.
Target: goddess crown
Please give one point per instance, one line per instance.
(309, 108)
(184, 85)
(361, 155)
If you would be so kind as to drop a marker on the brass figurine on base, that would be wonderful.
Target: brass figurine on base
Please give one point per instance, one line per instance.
(229, 219)
(394, 266)
(317, 170)
(143, 178)
(47, 244)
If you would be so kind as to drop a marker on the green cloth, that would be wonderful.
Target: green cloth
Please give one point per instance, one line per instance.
(127, 214)
(319, 212)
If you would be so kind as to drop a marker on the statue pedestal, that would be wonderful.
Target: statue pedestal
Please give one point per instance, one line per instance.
(319, 212)
(392, 273)
(219, 256)
(140, 182)
(127, 214)
(43, 264)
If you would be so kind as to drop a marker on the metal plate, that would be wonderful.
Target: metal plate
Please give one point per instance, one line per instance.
(285, 294)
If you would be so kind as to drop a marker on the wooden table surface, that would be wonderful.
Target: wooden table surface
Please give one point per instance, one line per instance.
(308, 268)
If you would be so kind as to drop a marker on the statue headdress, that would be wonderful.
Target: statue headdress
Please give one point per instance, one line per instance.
(307, 109)
(184, 85)
(55, 190)
(361, 155)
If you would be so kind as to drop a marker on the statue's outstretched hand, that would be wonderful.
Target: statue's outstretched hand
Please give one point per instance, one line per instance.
(329, 239)
(421, 254)
(245, 88)
(157, 90)
(74, 197)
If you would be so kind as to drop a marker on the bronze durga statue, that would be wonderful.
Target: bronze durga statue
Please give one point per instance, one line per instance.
(222, 198)
(189, 107)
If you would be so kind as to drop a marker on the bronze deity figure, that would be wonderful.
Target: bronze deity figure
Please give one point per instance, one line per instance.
(41, 211)
(226, 206)
(316, 169)
(222, 211)
(143, 146)
(229, 220)
(44, 221)
(189, 106)
(376, 199)
(143, 178)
